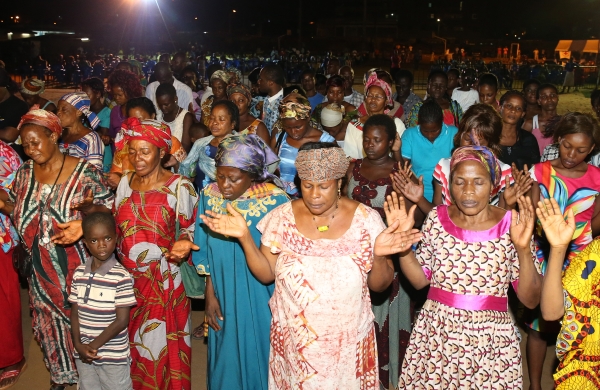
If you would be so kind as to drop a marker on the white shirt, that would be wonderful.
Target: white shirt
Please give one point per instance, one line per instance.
(465, 98)
(184, 94)
(353, 141)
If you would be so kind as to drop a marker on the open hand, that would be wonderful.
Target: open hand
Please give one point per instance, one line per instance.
(558, 228)
(397, 145)
(391, 240)
(233, 224)
(403, 184)
(70, 232)
(181, 250)
(521, 226)
(395, 210)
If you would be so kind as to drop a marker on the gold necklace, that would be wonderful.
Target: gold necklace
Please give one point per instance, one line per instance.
(325, 228)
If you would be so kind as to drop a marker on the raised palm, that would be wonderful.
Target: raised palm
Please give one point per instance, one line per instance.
(395, 210)
(558, 228)
(393, 240)
(521, 225)
(233, 224)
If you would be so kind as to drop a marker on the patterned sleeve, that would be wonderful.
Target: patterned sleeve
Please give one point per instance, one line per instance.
(438, 173)
(95, 150)
(124, 295)
(424, 253)
(550, 153)
(188, 208)
(177, 150)
(413, 116)
(457, 111)
(353, 142)
(188, 166)
(18, 181)
(93, 179)
(75, 285)
(271, 228)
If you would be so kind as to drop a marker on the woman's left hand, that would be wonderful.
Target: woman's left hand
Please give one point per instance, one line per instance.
(181, 250)
(395, 210)
(71, 232)
(392, 241)
(521, 226)
(171, 162)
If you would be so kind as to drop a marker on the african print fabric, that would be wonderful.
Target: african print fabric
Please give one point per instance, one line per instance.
(159, 328)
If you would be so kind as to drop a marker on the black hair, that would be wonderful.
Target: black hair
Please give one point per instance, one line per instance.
(384, 74)
(431, 112)
(274, 73)
(489, 79)
(513, 93)
(212, 69)
(4, 78)
(129, 66)
(308, 71)
(529, 82)
(318, 145)
(191, 69)
(483, 120)
(435, 73)
(403, 74)
(546, 86)
(291, 88)
(253, 76)
(469, 72)
(595, 98)
(384, 121)
(320, 79)
(232, 109)
(578, 123)
(198, 130)
(142, 102)
(98, 218)
(94, 83)
(455, 71)
(166, 90)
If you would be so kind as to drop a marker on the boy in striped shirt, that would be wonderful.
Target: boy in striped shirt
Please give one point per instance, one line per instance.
(101, 297)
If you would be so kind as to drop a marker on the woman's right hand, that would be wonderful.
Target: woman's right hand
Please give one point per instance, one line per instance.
(112, 179)
(393, 240)
(558, 231)
(70, 233)
(395, 210)
(233, 224)
(212, 308)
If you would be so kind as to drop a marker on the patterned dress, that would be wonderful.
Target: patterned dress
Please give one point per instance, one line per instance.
(235, 362)
(464, 337)
(577, 194)
(88, 147)
(322, 332)
(159, 328)
(391, 307)
(578, 343)
(53, 266)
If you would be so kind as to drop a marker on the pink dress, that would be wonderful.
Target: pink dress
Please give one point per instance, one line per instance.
(322, 332)
(537, 133)
(464, 337)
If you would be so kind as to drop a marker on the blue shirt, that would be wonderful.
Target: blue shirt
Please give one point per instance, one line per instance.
(315, 101)
(424, 155)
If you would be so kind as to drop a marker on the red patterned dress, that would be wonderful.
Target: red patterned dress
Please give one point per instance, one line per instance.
(159, 328)
(322, 332)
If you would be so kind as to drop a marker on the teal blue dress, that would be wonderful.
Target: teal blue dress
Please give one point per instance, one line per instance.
(238, 354)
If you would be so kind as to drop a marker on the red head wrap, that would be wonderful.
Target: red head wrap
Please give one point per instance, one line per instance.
(41, 118)
(155, 132)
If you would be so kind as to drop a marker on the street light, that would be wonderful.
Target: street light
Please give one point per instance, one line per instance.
(438, 23)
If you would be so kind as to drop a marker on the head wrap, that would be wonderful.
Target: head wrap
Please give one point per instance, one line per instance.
(482, 155)
(237, 73)
(81, 101)
(332, 115)
(368, 75)
(155, 132)
(322, 164)
(221, 75)
(249, 153)
(375, 81)
(292, 110)
(32, 87)
(239, 88)
(41, 118)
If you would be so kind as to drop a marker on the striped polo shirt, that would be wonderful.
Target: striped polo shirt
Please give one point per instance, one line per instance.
(97, 295)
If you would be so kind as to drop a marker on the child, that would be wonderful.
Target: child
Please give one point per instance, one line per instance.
(547, 98)
(101, 296)
(530, 88)
(575, 185)
(178, 119)
(425, 144)
(572, 296)
(466, 96)
(488, 89)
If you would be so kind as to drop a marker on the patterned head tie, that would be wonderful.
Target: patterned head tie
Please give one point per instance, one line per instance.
(41, 118)
(322, 164)
(81, 101)
(239, 88)
(155, 132)
(32, 87)
(221, 75)
(248, 152)
(482, 155)
(368, 74)
(293, 110)
(375, 81)
(234, 71)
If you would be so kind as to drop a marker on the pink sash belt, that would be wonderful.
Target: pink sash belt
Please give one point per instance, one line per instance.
(468, 302)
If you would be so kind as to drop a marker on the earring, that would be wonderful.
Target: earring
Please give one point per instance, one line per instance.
(339, 193)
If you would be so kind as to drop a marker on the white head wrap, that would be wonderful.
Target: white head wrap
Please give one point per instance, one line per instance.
(332, 115)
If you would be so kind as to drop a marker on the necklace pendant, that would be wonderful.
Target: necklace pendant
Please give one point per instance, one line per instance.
(323, 228)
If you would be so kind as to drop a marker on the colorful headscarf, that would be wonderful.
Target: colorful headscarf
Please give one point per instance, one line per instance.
(81, 101)
(293, 110)
(221, 75)
(32, 87)
(368, 75)
(482, 155)
(375, 81)
(236, 71)
(239, 88)
(249, 153)
(332, 115)
(153, 131)
(322, 164)
(41, 118)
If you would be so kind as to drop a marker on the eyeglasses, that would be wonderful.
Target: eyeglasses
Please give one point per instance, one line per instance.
(376, 97)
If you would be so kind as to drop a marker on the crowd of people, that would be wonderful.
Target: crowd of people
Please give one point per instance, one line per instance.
(309, 217)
